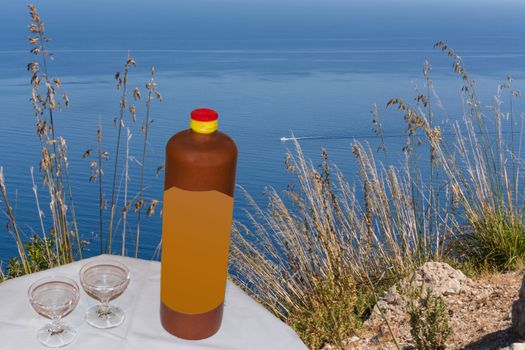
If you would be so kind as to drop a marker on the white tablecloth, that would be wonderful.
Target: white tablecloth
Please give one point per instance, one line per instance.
(246, 324)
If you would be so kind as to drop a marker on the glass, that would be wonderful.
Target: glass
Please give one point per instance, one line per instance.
(54, 298)
(104, 281)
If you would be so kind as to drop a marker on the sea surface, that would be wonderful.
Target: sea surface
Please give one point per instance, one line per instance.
(319, 84)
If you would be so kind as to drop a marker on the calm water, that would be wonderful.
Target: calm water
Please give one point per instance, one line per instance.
(321, 84)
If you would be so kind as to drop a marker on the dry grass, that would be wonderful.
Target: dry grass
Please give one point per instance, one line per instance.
(12, 225)
(486, 176)
(311, 254)
(54, 166)
(151, 87)
(122, 83)
(125, 206)
(62, 243)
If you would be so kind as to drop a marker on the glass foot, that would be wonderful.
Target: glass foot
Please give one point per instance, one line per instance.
(105, 316)
(55, 337)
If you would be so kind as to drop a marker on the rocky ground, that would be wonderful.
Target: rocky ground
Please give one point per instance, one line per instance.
(479, 311)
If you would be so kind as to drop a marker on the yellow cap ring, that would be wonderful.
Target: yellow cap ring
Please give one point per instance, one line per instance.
(204, 127)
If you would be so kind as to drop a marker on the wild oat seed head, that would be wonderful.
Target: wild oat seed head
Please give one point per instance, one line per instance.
(136, 93)
(139, 204)
(133, 113)
(87, 153)
(151, 207)
(159, 169)
(151, 85)
(32, 67)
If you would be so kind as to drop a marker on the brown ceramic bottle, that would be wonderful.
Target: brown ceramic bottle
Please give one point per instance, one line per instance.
(197, 217)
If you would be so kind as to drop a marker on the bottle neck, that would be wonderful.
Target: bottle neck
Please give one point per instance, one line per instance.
(204, 127)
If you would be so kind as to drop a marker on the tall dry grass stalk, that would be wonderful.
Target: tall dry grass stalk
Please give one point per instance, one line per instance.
(99, 174)
(41, 220)
(13, 226)
(151, 87)
(96, 175)
(54, 165)
(127, 204)
(63, 148)
(122, 82)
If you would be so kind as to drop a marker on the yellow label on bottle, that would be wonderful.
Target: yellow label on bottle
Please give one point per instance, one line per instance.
(196, 229)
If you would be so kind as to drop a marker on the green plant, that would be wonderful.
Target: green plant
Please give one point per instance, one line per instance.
(328, 314)
(494, 242)
(37, 257)
(428, 321)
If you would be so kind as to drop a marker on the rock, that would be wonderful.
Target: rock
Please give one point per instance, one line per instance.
(392, 297)
(518, 318)
(391, 305)
(518, 313)
(522, 289)
(353, 339)
(515, 346)
(440, 278)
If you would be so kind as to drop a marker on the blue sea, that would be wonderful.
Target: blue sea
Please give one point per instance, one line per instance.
(314, 68)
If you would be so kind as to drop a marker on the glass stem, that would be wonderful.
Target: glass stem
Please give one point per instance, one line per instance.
(56, 326)
(104, 309)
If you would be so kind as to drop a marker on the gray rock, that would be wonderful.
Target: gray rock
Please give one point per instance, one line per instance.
(440, 278)
(522, 289)
(515, 346)
(518, 318)
(518, 313)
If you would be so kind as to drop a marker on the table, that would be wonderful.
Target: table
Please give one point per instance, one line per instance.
(246, 324)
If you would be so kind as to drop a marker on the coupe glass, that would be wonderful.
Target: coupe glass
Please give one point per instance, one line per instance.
(104, 281)
(54, 298)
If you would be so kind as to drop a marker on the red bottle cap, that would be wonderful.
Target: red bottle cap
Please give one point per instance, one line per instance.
(204, 115)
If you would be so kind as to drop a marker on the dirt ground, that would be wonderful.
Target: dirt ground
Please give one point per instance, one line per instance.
(479, 315)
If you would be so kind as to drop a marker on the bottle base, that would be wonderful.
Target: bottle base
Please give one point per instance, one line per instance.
(191, 326)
